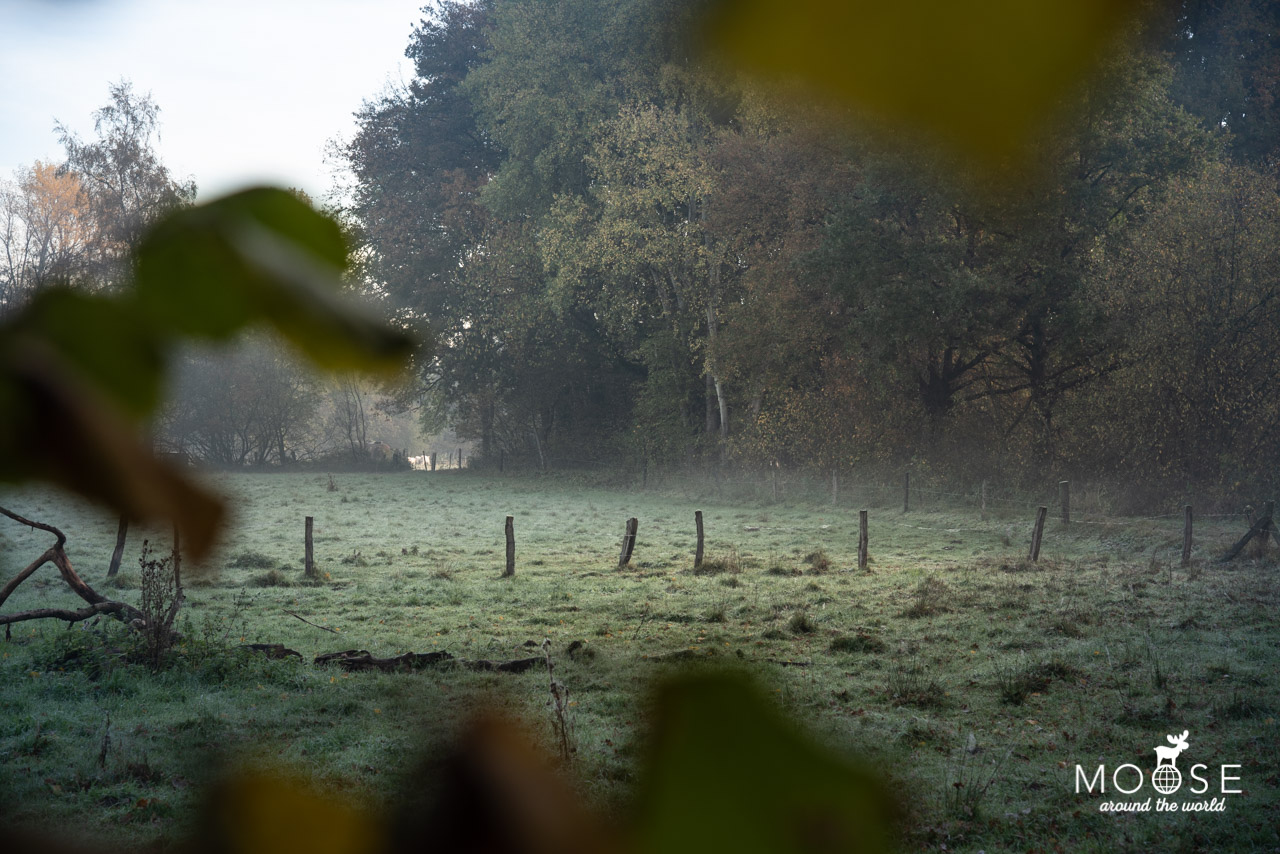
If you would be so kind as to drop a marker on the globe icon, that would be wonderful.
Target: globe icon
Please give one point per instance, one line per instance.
(1166, 779)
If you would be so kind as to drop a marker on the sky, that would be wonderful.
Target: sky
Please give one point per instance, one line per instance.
(249, 92)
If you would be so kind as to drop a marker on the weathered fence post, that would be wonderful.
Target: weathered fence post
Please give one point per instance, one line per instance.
(983, 500)
(433, 461)
(1269, 511)
(1064, 499)
(628, 542)
(308, 560)
(697, 555)
(122, 531)
(459, 458)
(1186, 535)
(511, 547)
(906, 492)
(1038, 532)
(863, 560)
(177, 560)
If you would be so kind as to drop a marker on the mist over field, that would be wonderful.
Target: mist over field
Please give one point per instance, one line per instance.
(680, 428)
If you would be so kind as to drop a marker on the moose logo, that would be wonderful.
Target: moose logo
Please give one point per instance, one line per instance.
(1128, 779)
(1166, 778)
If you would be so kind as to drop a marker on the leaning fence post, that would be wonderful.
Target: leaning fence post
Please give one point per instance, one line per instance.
(308, 561)
(862, 541)
(511, 547)
(1269, 511)
(1064, 499)
(628, 542)
(1038, 532)
(1186, 535)
(697, 556)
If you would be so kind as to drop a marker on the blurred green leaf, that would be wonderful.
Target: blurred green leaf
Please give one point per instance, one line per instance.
(263, 255)
(728, 774)
(105, 339)
(61, 426)
(982, 75)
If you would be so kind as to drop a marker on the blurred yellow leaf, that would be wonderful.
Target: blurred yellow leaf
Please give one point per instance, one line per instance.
(981, 75)
(260, 813)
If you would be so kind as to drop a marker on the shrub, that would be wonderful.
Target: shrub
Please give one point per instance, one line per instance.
(271, 578)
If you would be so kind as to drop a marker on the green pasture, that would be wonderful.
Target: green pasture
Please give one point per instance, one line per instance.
(973, 680)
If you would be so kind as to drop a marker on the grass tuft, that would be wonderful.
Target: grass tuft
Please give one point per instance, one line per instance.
(859, 642)
(930, 598)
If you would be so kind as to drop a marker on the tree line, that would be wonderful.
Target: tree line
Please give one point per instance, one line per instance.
(628, 252)
(79, 222)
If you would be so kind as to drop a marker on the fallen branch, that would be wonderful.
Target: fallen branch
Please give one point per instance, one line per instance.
(56, 554)
(309, 623)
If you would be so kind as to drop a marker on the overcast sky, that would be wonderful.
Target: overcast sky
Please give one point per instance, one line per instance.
(250, 91)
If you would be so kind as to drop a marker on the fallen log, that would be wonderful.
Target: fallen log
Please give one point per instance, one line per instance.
(355, 660)
(271, 650)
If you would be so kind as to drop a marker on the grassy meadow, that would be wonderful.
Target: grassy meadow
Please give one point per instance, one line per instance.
(973, 680)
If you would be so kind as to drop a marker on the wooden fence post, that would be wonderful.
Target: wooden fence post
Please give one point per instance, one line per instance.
(459, 458)
(983, 500)
(628, 542)
(308, 560)
(1186, 535)
(511, 547)
(433, 461)
(697, 556)
(1268, 510)
(1064, 499)
(775, 485)
(863, 559)
(177, 561)
(906, 492)
(1038, 532)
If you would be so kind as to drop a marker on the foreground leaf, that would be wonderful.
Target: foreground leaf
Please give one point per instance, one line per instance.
(263, 256)
(982, 75)
(59, 426)
(729, 774)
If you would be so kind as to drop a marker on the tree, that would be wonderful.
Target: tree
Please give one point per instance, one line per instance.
(1197, 398)
(251, 405)
(125, 185)
(1227, 71)
(45, 232)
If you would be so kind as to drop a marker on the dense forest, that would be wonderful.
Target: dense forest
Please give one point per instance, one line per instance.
(627, 253)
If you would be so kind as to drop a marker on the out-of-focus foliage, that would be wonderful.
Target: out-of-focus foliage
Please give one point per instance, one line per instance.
(981, 75)
(724, 772)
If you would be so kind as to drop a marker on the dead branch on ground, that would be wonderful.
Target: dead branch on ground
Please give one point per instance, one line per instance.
(57, 555)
